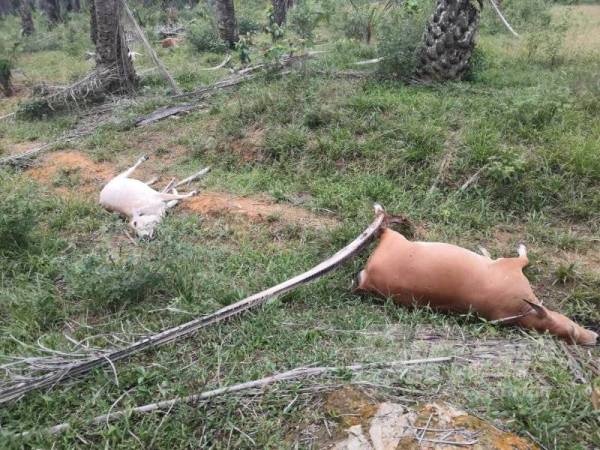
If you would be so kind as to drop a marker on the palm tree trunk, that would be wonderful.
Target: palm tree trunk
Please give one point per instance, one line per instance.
(112, 55)
(52, 10)
(226, 22)
(449, 40)
(279, 11)
(73, 6)
(26, 21)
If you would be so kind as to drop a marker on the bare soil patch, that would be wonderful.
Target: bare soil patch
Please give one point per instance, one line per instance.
(88, 175)
(255, 209)
(388, 425)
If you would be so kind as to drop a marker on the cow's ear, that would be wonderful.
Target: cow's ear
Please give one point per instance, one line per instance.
(540, 311)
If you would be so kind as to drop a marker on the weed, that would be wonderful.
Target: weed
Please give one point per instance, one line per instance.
(247, 25)
(398, 38)
(304, 18)
(17, 214)
(103, 283)
(204, 37)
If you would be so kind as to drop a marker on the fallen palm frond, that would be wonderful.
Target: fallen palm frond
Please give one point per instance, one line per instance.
(220, 66)
(86, 87)
(91, 88)
(167, 111)
(294, 374)
(503, 19)
(248, 73)
(62, 366)
(159, 64)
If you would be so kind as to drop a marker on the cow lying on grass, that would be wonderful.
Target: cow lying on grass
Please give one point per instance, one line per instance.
(136, 200)
(454, 279)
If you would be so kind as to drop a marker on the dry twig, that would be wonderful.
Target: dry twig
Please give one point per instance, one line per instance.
(294, 374)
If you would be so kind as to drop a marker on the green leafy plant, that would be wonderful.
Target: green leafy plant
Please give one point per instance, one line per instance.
(107, 283)
(272, 27)
(304, 18)
(362, 22)
(6, 76)
(247, 25)
(243, 48)
(398, 37)
(204, 37)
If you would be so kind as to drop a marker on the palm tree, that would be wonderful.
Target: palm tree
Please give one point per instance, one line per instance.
(226, 22)
(449, 40)
(52, 10)
(113, 64)
(26, 21)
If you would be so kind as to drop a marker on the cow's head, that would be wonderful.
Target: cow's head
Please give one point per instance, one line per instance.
(144, 223)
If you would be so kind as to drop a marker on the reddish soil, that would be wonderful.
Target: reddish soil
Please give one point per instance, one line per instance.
(90, 175)
(256, 209)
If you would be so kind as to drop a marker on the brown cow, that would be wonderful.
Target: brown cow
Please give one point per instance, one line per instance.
(454, 279)
(170, 42)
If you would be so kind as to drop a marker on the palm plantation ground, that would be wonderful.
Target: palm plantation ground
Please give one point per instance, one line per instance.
(297, 161)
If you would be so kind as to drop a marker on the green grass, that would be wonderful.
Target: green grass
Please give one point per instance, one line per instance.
(341, 145)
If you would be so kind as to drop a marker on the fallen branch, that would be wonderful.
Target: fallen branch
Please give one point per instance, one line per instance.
(368, 61)
(443, 168)
(163, 113)
(59, 373)
(22, 158)
(503, 19)
(161, 67)
(220, 66)
(247, 74)
(7, 116)
(294, 374)
(472, 179)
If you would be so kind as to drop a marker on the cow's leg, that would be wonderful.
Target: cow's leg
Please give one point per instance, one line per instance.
(172, 203)
(135, 166)
(168, 197)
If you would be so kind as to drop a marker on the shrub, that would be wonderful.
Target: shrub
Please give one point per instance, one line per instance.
(303, 19)
(318, 117)
(204, 37)
(544, 45)
(399, 36)
(18, 216)
(6, 76)
(354, 25)
(246, 25)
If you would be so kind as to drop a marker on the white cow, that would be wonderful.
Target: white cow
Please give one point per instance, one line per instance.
(136, 200)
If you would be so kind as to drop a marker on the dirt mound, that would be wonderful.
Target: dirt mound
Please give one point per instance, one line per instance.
(71, 171)
(435, 426)
(256, 209)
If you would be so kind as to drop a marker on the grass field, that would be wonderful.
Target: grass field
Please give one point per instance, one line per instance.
(298, 160)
